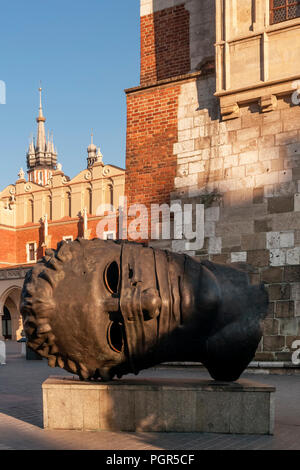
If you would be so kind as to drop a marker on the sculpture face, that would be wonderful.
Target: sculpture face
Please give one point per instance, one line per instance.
(100, 308)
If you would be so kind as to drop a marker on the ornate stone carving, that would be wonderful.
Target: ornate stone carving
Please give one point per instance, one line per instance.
(106, 171)
(88, 175)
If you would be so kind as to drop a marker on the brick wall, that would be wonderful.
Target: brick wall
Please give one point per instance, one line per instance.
(31, 234)
(13, 242)
(151, 134)
(165, 50)
(74, 229)
(7, 247)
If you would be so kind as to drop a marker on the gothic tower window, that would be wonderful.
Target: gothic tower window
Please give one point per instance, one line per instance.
(283, 10)
(40, 181)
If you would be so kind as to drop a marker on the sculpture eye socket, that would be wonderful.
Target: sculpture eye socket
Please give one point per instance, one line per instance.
(115, 336)
(111, 277)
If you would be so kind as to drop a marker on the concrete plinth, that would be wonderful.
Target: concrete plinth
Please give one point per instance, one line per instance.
(159, 405)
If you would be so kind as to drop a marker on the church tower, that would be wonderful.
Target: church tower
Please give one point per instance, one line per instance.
(41, 156)
(94, 155)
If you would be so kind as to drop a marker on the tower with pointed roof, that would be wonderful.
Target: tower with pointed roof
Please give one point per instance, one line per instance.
(92, 149)
(41, 156)
(94, 154)
(37, 214)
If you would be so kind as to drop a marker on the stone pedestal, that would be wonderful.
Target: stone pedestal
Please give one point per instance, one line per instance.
(159, 405)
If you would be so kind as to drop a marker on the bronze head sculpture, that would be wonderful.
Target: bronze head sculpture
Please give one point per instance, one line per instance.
(102, 309)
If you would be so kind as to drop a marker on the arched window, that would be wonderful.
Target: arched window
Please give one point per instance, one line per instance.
(68, 204)
(49, 207)
(88, 201)
(30, 211)
(111, 194)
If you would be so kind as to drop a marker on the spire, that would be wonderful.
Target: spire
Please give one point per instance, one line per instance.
(31, 150)
(41, 136)
(52, 144)
(48, 150)
(92, 149)
(41, 154)
(41, 107)
(99, 155)
(21, 174)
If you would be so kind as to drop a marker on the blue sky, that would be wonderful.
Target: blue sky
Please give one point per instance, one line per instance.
(85, 53)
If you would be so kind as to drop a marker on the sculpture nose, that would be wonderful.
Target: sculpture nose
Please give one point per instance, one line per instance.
(150, 303)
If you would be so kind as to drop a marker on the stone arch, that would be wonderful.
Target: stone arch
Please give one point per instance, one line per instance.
(11, 300)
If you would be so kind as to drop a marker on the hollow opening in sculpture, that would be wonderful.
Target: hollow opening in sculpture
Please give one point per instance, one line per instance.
(115, 336)
(111, 277)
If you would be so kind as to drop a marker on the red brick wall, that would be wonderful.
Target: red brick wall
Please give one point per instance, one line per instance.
(74, 229)
(13, 243)
(7, 247)
(165, 49)
(151, 134)
(23, 237)
(57, 232)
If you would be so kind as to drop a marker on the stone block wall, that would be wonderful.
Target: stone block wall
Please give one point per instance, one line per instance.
(252, 163)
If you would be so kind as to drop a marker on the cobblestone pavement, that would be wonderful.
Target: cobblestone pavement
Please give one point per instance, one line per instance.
(21, 415)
